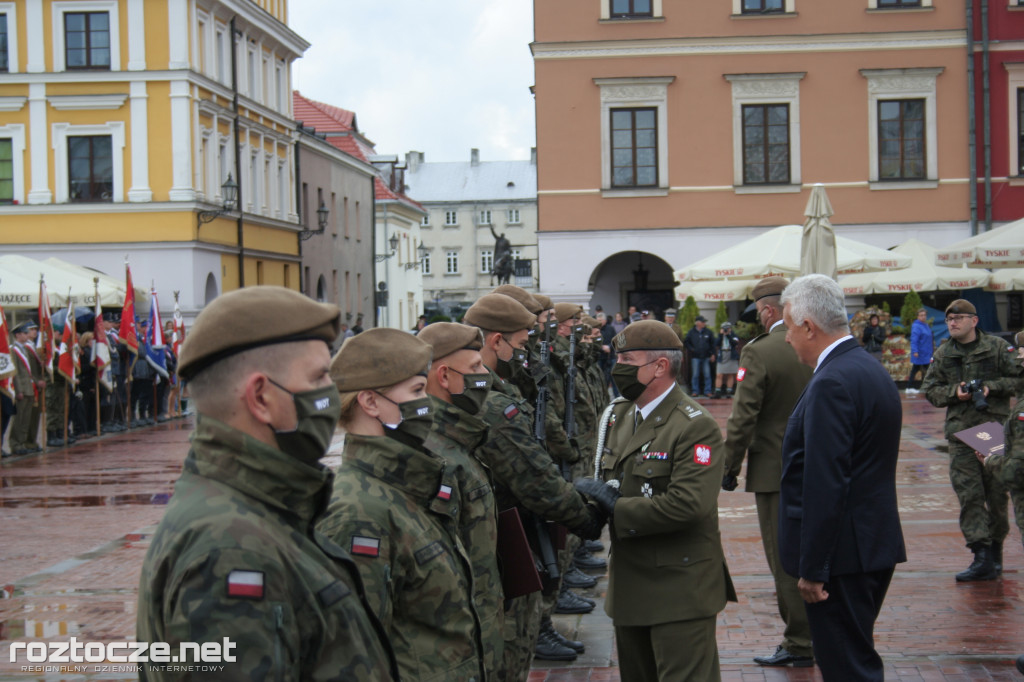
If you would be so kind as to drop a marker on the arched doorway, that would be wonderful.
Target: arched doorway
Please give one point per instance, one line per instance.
(321, 289)
(633, 278)
(211, 288)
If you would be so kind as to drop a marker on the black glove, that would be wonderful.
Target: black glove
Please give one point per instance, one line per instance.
(603, 494)
(592, 527)
(729, 482)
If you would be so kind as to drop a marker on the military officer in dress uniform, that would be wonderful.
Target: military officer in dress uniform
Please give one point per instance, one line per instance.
(769, 382)
(659, 472)
(26, 394)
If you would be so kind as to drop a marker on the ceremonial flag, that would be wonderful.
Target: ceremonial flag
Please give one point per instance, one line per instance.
(6, 362)
(101, 350)
(68, 364)
(155, 339)
(46, 342)
(178, 329)
(128, 332)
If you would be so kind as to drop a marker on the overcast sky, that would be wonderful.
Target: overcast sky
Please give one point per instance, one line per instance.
(436, 77)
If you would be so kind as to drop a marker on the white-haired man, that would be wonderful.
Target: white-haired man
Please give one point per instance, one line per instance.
(839, 526)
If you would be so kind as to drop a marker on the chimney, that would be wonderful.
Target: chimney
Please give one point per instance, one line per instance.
(533, 156)
(413, 160)
(474, 157)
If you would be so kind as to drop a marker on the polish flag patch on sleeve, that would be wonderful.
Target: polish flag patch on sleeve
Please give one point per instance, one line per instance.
(741, 373)
(702, 454)
(246, 584)
(365, 546)
(511, 411)
(445, 492)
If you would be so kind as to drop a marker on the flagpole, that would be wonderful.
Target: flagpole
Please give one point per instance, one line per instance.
(67, 398)
(96, 374)
(41, 393)
(69, 313)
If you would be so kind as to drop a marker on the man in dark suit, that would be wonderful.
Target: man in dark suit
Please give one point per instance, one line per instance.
(839, 526)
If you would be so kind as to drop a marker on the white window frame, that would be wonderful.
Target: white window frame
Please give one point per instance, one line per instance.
(898, 84)
(201, 49)
(426, 264)
(656, 11)
(766, 88)
(61, 7)
(252, 77)
(282, 189)
(425, 220)
(486, 261)
(873, 4)
(60, 132)
(619, 93)
(451, 262)
(15, 132)
(451, 218)
(205, 164)
(484, 217)
(11, 10)
(512, 217)
(788, 7)
(222, 50)
(1014, 81)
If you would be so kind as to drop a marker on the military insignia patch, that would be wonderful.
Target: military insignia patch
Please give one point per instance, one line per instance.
(1020, 416)
(612, 419)
(691, 411)
(620, 340)
(445, 493)
(742, 372)
(246, 584)
(702, 454)
(364, 546)
(646, 490)
(510, 412)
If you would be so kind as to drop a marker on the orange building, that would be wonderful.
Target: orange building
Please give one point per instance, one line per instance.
(668, 130)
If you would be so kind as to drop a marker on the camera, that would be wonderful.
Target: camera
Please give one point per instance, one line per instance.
(975, 388)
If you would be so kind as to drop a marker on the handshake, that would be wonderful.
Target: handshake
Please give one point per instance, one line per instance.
(603, 509)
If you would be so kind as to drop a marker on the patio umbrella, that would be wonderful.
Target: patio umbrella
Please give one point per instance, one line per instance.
(1002, 247)
(922, 275)
(777, 252)
(716, 290)
(1007, 279)
(83, 316)
(818, 245)
(60, 278)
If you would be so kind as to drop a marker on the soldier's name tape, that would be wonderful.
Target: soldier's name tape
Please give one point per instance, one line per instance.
(123, 652)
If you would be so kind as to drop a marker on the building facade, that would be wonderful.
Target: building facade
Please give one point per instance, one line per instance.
(469, 206)
(668, 131)
(122, 120)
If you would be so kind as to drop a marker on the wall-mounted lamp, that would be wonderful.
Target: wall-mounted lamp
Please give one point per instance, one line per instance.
(229, 191)
(379, 258)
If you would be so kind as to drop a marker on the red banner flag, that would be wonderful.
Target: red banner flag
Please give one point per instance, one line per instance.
(101, 350)
(46, 342)
(6, 362)
(68, 364)
(128, 332)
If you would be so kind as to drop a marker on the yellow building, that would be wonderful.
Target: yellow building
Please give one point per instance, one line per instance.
(121, 121)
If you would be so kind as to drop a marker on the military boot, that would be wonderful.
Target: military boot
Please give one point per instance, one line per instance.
(996, 550)
(586, 561)
(593, 545)
(53, 440)
(570, 602)
(574, 577)
(549, 649)
(576, 646)
(982, 568)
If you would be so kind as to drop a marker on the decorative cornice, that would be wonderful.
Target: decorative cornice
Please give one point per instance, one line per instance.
(86, 102)
(12, 103)
(885, 81)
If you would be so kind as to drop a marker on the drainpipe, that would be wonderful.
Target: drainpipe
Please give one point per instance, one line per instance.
(972, 133)
(238, 153)
(986, 113)
(303, 284)
(373, 251)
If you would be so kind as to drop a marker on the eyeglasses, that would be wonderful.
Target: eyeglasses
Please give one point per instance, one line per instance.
(957, 318)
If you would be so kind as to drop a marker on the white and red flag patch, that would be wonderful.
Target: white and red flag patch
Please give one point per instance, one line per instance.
(445, 492)
(741, 373)
(247, 584)
(365, 546)
(702, 454)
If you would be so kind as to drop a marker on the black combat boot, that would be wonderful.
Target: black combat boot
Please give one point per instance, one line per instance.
(586, 561)
(996, 550)
(548, 648)
(594, 545)
(53, 440)
(573, 644)
(576, 578)
(982, 568)
(570, 602)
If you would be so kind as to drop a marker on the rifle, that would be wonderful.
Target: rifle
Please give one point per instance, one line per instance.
(544, 545)
(570, 400)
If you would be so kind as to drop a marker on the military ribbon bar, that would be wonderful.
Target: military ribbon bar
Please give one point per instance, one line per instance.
(655, 455)
(247, 584)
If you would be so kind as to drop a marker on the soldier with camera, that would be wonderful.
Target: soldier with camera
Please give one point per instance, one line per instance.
(973, 375)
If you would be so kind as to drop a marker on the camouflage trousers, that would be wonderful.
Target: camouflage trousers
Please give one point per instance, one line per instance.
(982, 496)
(1010, 471)
(522, 625)
(55, 405)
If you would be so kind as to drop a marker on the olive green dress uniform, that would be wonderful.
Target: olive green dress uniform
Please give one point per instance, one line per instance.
(395, 509)
(455, 436)
(770, 381)
(240, 508)
(983, 499)
(24, 385)
(39, 375)
(668, 578)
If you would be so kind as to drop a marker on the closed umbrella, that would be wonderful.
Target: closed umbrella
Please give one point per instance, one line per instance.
(818, 245)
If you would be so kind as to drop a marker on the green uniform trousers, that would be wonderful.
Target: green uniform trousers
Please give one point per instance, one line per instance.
(682, 651)
(21, 435)
(522, 625)
(984, 503)
(797, 636)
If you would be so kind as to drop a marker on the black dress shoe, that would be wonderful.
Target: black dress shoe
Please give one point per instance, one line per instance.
(594, 545)
(782, 657)
(576, 578)
(588, 562)
(570, 602)
(549, 649)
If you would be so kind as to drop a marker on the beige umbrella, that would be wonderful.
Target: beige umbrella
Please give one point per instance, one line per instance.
(922, 275)
(777, 252)
(1002, 247)
(818, 245)
(716, 290)
(1007, 279)
(60, 278)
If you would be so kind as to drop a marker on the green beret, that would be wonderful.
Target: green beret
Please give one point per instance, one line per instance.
(769, 286)
(521, 295)
(379, 358)
(252, 317)
(544, 301)
(961, 307)
(499, 313)
(448, 337)
(1018, 339)
(567, 311)
(590, 321)
(646, 335)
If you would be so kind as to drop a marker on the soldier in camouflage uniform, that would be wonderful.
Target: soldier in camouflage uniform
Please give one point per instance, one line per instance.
(458, 384)
(523, 473)
(970, 355)
(235, 556)
(395, 508)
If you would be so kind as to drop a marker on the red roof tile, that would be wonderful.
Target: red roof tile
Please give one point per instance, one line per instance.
(326, 118)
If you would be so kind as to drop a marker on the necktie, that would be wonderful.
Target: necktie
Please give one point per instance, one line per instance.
(639, 419)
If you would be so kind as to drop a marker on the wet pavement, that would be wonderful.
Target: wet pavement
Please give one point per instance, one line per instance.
(76, 523)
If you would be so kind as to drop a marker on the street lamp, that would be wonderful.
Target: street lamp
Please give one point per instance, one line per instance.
(321, 222)
(229, 192)
(380, 258)
(421, 252)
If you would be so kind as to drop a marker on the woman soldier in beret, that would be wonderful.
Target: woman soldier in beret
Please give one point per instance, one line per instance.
(394, 508)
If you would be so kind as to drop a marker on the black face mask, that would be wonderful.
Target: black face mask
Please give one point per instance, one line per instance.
(504, 368)
(625, 378)
(316, 412)
(475, 388)
(414, 421)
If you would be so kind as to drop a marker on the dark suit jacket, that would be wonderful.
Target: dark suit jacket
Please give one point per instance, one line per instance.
(837, 511)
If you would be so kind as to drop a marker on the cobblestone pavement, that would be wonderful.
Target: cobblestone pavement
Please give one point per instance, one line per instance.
(76, 523)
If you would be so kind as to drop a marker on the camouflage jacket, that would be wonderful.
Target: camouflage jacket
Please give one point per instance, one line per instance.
(395, 509)
(990, 360)
(456, 434)
(557, 443)
(523, 473)
(235, 556)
